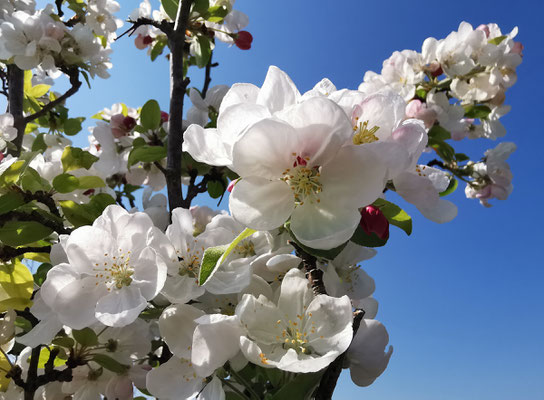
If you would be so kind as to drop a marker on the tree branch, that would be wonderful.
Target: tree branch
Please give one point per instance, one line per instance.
(207, 77)
(37, 217)
(16, 84)
(7, 252)
(73, 73)
(178, 86)
(314, 275)
(32, 374)
(333, 371)
(164, 26)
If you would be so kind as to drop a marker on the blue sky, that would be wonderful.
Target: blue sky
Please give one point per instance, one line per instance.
(463, 302)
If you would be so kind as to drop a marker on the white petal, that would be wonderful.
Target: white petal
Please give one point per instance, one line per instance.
(174, 379)
(120, 307)
(278, 90)
(295, 294)
(177, 325)
(261, 204)
(239, 93)
(206, 145)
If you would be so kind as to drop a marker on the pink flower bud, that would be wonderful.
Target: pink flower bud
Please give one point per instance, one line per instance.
(419, 110)
(373, 221)
(141, 41)
(517, 48)
(485, 29)
(121, 125)
(164, 117)
(243, 40)
(231, 185)
(435, 68)
(1, 156)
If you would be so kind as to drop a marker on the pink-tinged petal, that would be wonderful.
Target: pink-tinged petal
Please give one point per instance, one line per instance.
(177, 325)
(278, 91)
(239, 93)
(266, 149)
(234, 121)
(121, 306)
(206, 145)
(322, 127)
(261, 204)
(420, 191)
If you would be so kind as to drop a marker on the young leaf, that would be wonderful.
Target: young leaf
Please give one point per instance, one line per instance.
(16, 286)
(171, 8)
(214, 256)
(75, 158)
(438, 133)
(203, 50)
(477, 111)
(146, 154)
(110, 364)
(65, 183)
(18, 233)
(150, 115)
(299, 388)
(10, 201)
(72, 126)
(85, 337)
(395, 215)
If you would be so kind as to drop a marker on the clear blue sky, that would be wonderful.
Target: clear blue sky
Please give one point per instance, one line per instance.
(463, 302)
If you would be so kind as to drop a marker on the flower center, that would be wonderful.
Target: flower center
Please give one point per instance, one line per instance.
(189, 263)
(303, 180)
(245, 249)
(293, 338)
(363, 134)
(117, 273)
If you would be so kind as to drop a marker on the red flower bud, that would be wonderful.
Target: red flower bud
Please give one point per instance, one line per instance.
(243, 40)
(129, 123)
(164, 117)
(373, 221)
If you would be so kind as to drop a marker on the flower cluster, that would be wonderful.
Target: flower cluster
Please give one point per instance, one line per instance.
(41, 39)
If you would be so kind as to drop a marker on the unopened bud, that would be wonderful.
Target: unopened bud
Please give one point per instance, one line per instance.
(517, 48)
(164, 117)
(485, 29)
(373, 221)
(243, 40)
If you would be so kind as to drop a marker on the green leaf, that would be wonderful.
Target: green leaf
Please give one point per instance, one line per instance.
(497, 40)
(85, 214)
(59, 361)
(216, 189)
(451, 187)
(171, 8)
(90, 182)
(37, 91)
(75, 158)
(85, 337)
(438, 133)
(150, 115)
(64, 341)
(421, 93)
(395, 215)
(443, 149)
(65, 183)
(461, 157)
(32, 181)
(18, 233)
(16, 286)
(146, 154)
(110, 364)
(201, 6)
(301, 387)
(477, 111)
(41, 273)
(12, 174)
(214, 256)
(39, 143)
(10, 201)
(203, 50)
(158, 48)
(362, 238)
(72, 126)
(217, 13)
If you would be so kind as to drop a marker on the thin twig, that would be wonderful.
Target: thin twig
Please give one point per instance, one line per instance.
(314, 275)
(73, 73)
(165, 26)
(207, 77)
(178, 87)
(7, 253)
